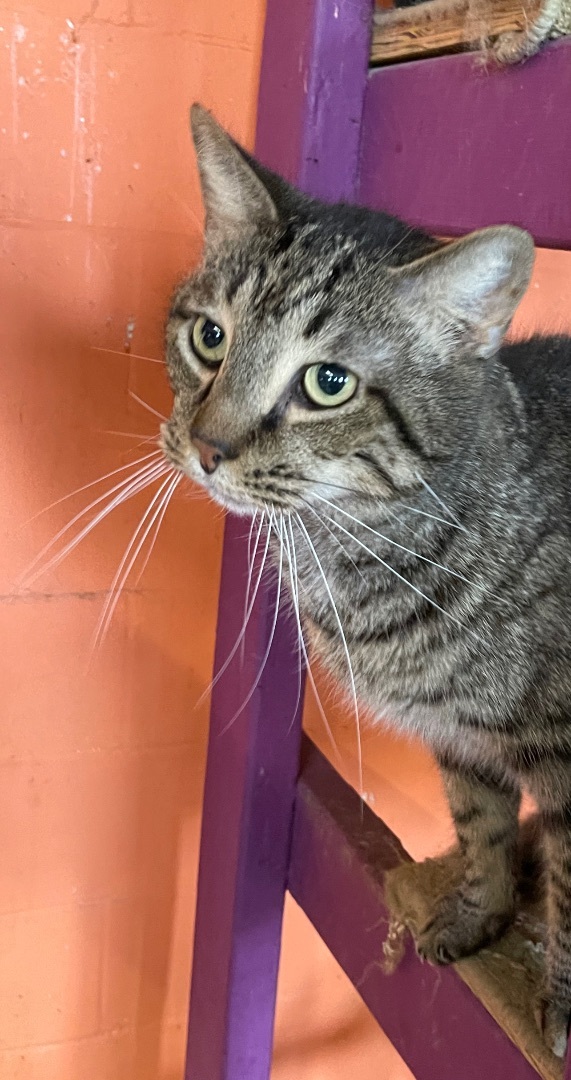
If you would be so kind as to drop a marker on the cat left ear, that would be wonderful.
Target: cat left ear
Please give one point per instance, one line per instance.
(475, 284)
(234, 196)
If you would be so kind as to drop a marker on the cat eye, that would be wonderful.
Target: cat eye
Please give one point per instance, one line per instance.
(329, 384)
(208, 340)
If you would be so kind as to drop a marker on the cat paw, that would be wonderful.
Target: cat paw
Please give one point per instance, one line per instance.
(510, 48)
(458, 930)
(553, 1021)
(515, 46)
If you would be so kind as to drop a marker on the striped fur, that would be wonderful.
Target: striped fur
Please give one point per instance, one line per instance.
(430, 514)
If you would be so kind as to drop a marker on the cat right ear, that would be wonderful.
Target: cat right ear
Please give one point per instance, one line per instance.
(234, 197)
(472, 285)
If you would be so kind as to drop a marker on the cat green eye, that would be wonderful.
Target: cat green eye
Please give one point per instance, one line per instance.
(208, 340)
(329, 384)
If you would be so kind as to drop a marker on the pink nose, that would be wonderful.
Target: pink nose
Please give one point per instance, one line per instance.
(210, 455)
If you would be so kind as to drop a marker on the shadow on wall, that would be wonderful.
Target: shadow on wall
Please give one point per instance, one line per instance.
(101, 765)
(101, 769)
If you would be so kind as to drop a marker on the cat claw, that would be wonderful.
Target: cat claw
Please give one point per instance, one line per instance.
(513, 47)
(453, 933)
(553, 1021)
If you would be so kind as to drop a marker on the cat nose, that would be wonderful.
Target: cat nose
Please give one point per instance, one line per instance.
(210, 453)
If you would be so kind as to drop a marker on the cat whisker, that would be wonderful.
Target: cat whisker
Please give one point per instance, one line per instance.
(433, 517)
(131, 435)
(262, 667)
(92, 483)
(281, 532)
(153, 541)
(127, 355)
(335, 538)
(323, 575)
(371, 498)
(128, 489)
(292, 559)
(440, 502)
(195, 492)
(400, 577)
(389, 510)
(245, 622)
(401, 547)
(399, 242)
(161, 497)
(250, 533)
(146, 405)
(251, 561)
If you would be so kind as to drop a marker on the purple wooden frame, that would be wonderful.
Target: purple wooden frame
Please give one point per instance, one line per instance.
(452, 146)
(265, 827)
(314, 67)
(339, 853)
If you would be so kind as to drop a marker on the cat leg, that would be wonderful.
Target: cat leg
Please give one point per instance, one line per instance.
(484, 805)
(511, 48)
(554, 1009)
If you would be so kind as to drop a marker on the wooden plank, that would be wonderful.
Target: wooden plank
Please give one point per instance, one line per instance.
(452, 147)
(440, 26)
(340, 851)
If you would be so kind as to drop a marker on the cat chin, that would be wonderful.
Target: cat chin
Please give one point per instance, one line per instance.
(242, 507)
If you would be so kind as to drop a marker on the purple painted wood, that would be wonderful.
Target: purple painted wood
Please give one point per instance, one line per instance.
(248, 801)
(451, 146)
(339, 852)
(314, 73)
(312, 86)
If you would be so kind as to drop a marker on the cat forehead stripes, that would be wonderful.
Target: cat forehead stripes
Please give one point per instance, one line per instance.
(295, 268)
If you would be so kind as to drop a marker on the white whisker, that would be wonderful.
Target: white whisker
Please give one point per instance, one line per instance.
(309, 542)
(440, 502)
(153, 540)
(127, 355)
(393, 543)
(131, 435)
(392, 570)
(400, 241)
(433, 517)
(254, 686)
(251, 561)
(388, 510)
(245, 622)
(281, 532)
(295, 590)
(136, 484)
(146, 405)
(93, 483)
(335, 538)
(123, 570)
(250, 533)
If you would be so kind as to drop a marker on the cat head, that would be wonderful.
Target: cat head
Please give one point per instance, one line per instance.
(326, 349)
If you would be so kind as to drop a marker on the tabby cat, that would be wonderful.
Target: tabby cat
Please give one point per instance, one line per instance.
(345, 377)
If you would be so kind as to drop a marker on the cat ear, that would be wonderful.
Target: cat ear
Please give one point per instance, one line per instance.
(475, 283)
(234, 196)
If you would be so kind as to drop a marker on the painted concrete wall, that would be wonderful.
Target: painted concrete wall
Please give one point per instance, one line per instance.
(102, 756)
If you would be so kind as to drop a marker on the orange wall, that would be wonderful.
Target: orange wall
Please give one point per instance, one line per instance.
(101, 769)
(102, 757)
